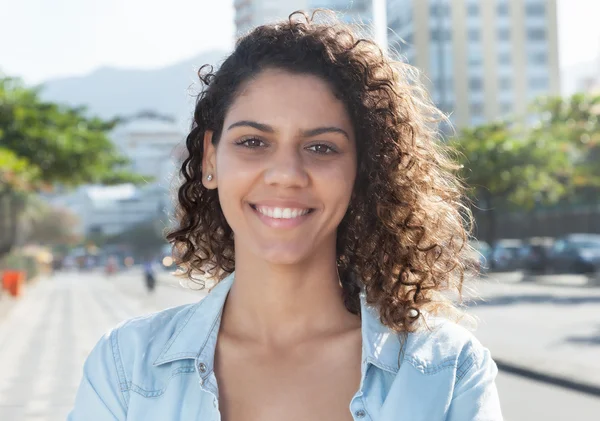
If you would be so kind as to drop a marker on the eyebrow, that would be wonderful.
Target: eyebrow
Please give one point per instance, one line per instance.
(258, 126)
(305, 133)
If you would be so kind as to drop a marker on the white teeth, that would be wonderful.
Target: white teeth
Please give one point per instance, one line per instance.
(281, 213)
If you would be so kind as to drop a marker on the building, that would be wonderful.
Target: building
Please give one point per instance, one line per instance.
(483, 59)
(152, 146)
(155, 149)
(111, 210)
(252, 13)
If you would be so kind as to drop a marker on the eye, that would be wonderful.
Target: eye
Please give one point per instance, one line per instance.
(250, 142)
(322, 149)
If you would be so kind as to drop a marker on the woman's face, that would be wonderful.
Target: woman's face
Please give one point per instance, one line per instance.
(284, 167)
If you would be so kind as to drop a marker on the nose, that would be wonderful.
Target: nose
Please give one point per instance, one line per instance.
(286, 169)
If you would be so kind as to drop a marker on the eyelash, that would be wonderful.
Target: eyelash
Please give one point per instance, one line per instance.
(244, 142)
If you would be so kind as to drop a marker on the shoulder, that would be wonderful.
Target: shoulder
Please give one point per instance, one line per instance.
(440, 344)
(140, 337)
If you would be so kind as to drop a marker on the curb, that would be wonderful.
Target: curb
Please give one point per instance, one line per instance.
(544, 377)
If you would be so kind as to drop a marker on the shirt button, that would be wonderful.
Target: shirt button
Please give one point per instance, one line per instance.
(202, 367)
(360, 413)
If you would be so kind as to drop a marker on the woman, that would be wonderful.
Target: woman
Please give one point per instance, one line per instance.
(317, 195)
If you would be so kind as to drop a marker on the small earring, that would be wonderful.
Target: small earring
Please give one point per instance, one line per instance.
(209, 177)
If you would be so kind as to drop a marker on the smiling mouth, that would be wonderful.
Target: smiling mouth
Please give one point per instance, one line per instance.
(281, 213)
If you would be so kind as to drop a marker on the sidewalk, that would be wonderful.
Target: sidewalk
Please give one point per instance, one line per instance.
(45, 338)
(547, 332)
(7, 302)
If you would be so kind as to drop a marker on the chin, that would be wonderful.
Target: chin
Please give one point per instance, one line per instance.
(282, 255)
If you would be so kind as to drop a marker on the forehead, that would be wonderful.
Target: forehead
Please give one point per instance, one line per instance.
(278, 96)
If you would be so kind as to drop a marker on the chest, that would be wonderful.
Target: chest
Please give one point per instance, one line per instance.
(292, 387)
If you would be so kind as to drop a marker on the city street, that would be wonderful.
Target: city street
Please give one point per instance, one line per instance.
(46, 335)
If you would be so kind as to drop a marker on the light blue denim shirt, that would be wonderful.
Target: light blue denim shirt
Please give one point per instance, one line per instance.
(160, 367)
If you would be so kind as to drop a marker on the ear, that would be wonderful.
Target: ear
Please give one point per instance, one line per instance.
(209, 161)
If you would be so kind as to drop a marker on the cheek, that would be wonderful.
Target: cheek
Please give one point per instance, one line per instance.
(336, 181)
(234, 179)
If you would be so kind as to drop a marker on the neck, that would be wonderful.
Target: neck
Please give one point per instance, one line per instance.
(287, 303)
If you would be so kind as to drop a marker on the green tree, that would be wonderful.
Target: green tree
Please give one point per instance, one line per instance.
(511, 168)
(54, 226)
(43, 144)
(574, 123)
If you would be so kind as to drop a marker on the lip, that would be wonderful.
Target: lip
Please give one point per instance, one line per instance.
(281, 222)
(282, 204)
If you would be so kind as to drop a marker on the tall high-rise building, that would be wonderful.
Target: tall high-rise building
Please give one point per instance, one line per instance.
(484, 59)
(251, 13)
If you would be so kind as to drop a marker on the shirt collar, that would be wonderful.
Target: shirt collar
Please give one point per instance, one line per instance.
(195, 335)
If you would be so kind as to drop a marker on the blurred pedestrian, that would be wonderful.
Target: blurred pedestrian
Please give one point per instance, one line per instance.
(149, 276)
(319, 198)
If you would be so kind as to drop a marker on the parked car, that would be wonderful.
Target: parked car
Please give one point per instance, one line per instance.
(481, 254)
(535, 254)
(575, 253)
(505, 255)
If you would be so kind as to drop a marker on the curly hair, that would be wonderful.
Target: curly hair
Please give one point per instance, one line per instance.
(403, 239)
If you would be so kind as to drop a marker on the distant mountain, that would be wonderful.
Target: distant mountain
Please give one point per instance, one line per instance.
(108, 92)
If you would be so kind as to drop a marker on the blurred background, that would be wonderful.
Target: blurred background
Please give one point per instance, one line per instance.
(95, 101)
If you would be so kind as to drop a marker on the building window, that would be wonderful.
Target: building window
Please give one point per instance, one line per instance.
(475, 84)
(473, 9)
(505, 84)
(475, 58)
(504, 34)
(444, 85)
(505, 58)
(539, 83)
(446, 107)
(474, 34)
(476, 109)
(503, 9)
(536, 34)
(439, 10)
(506, 108)
(440, 35)
(540, 58)
(535, 9)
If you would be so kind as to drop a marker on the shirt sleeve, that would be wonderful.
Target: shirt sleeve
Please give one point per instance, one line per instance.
(475, 395)
(102, 392)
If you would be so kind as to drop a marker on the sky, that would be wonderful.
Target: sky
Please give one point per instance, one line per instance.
(46, 39)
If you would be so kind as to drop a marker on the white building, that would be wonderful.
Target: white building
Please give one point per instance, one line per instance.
(252, 13)
(155, 149)
(110, 210)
